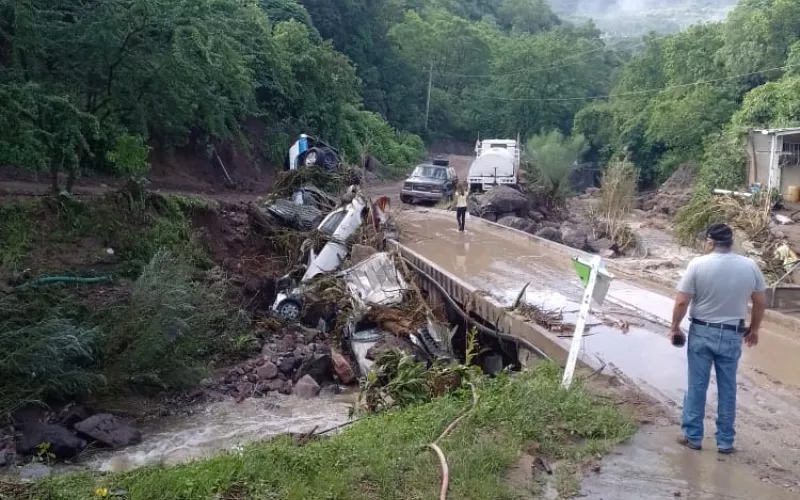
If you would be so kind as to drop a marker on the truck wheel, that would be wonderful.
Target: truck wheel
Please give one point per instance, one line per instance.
(313, 157)
(475, 188)
(289, 309)
(405, 199)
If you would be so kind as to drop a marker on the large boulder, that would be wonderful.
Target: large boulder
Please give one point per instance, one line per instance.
(109, 430)
(576, 237)
(502, 200)
(62, 443)
(515, 222)
(319, 367)
(306, 388)
(549, 233)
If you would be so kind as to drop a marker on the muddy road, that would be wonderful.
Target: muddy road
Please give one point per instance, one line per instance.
(501, 261)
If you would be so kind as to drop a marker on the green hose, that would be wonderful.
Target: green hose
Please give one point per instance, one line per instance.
(46, 280)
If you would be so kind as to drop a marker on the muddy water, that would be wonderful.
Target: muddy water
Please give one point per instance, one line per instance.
(501, 262)
(225, 426)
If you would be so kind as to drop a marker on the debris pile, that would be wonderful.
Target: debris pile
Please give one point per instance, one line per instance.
(342, 300)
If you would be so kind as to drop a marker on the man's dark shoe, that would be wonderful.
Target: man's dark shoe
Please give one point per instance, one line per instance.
(726, 451)
(683, 441)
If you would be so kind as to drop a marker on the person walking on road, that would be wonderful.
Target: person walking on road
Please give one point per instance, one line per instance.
(715, 290)
(461, 207)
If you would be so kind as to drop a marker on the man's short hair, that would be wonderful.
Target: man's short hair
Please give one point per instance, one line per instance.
(721, 235)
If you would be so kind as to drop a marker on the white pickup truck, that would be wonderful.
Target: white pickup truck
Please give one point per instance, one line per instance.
(496, 163)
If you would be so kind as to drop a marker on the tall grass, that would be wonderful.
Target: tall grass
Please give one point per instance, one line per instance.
(384, 456)
(618, 189)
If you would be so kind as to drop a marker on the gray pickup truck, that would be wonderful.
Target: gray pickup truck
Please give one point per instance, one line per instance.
(430, 182)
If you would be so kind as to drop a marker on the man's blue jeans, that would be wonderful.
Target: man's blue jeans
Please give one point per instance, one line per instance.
(721, 348)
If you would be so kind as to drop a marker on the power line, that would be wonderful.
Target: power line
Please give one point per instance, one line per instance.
(637, 92)
(545, 68)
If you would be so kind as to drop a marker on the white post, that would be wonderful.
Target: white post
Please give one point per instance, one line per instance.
(580, 325)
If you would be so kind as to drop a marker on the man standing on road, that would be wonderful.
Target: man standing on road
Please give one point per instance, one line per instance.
(718, 286)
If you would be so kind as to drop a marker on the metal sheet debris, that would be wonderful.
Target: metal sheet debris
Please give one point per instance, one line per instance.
(375, 281)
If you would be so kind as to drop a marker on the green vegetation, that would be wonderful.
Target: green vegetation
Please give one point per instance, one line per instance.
(156, 327)
(550, 159)
(384, 456)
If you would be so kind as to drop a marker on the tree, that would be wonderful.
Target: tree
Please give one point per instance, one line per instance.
(551, 158)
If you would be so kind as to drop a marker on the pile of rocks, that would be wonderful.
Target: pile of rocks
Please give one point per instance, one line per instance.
(298, 362)
(512, 208)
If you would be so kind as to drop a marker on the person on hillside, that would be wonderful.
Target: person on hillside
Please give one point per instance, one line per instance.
(461, 207)
(716, 289)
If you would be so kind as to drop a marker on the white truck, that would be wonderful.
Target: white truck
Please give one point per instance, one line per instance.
(496, 163)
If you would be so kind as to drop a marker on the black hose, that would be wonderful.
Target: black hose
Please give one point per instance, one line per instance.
(482, 329)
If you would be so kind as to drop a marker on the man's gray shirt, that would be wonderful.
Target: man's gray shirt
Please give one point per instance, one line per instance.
(721, 285)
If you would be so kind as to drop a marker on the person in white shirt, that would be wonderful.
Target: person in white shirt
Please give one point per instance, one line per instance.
(461, 207)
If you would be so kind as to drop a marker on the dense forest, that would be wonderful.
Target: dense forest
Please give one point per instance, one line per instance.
(93, 85)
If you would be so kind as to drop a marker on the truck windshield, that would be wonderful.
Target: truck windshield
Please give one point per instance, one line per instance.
(428, 171)
(503, 146)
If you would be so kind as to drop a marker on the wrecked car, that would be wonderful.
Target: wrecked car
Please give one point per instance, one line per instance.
(338, 226)
(309, 151)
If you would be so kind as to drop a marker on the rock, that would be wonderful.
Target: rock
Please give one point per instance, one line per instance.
(536, 216)
(287, 387)
(608, 254)
(267, 372)
(575, 237)
(503, 200)
(360, 253)
(342, 368)
(549, 233)
(34, 472)
(306, 388)
(649, 204)
(783, 220)
(319, 367)
(286, 365)
(6, 457)
(63, 443)
(519, 223)
(601, 244)
(72, 415)
(492, 364)
(109, 430)
(274, 384)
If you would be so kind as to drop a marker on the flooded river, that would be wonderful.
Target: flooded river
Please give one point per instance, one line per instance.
(223, 426)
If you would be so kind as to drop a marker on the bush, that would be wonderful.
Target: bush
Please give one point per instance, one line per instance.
(43, 355)
(551, 158)
(165, 335)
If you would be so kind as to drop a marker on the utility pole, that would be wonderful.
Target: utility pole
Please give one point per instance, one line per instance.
(428, 104)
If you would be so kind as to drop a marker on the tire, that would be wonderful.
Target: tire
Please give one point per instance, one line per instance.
(405, 199)
(475, 188)
(313, 157)
(290, 309)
